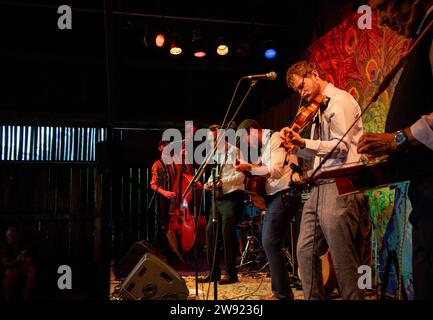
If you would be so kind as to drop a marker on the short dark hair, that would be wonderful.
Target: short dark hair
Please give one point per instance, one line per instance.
(214, 127)
(303, 69)
(249, 124)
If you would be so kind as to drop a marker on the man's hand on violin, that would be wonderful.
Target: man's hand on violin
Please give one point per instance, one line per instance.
(169, 194)
(377, 144)
(291, 140)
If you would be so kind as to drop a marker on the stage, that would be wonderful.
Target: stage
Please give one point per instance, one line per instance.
(255, 286)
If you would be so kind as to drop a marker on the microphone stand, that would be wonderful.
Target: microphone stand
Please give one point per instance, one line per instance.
(204, 165)
(215, 221)
(194, 197)
(156, 215)
(200, 172)
(156, 222)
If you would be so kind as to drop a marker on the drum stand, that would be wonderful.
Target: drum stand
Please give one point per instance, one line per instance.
(248, 247)
(249, 253)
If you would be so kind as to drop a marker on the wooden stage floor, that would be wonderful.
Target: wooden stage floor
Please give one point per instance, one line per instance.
(251, 286)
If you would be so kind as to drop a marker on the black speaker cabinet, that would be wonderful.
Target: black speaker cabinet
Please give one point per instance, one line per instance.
(153, 279)
(133, 256)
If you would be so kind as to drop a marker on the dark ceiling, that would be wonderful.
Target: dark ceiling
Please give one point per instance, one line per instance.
(52, 75)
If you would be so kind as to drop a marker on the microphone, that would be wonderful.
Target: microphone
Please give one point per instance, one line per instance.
(267, 76)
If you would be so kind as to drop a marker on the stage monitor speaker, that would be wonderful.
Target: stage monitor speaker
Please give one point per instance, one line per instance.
(152, 279)
(133, 256)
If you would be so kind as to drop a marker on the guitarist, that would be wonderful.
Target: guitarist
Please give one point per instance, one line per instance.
(274, 164)
(230, 195)
(328, 220)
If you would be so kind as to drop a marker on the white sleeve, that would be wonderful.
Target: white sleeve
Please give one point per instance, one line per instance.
(274, 168)
(422, 130)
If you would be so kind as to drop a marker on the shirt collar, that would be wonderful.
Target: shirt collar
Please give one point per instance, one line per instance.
(329, 89)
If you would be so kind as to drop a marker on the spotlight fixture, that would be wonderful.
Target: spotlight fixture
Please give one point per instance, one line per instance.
(222, 46)
(269, 49)
(146, 40)
(175, 45)
(146, 37)
(198, 44)
(243, 48)
(160, 39)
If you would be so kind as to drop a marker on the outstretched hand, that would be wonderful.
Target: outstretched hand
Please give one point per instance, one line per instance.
(377, 144)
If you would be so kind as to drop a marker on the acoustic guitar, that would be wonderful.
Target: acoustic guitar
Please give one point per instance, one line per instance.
(328, 273)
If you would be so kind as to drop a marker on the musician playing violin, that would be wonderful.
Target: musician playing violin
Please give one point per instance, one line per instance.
(332, 219)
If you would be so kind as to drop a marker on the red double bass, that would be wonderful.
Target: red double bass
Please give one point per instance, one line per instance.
(182, 223)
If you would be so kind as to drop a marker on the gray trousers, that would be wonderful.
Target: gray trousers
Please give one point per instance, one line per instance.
(335, 227)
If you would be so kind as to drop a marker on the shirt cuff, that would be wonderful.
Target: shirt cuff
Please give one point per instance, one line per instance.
(312, 144)
(260, 171)
(423, 132)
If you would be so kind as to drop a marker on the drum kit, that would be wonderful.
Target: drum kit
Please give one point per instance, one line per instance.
(252, 259)
(252, 256)
(250, 231)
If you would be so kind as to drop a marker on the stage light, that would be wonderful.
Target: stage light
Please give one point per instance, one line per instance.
(147, 39)
(269, 49)
(198, 44)
(270, 53)
(222, 47)
(243, 48)
(175, 45)
(160, 40)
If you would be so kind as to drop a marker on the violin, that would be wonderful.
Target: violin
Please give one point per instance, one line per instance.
(304, 117)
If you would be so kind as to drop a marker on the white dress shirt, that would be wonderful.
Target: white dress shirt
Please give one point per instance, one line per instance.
(340, 114)
(231, 179)
(422, 130)
(275, 164)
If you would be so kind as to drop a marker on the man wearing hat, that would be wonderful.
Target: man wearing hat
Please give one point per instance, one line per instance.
(273, 162)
